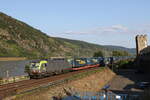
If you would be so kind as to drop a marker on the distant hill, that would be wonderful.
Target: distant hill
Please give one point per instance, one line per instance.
(18, 39)
(130, 50)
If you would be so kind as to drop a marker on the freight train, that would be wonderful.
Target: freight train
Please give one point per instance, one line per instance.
(50, 67)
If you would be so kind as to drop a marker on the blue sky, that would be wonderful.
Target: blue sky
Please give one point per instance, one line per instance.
(105, 22)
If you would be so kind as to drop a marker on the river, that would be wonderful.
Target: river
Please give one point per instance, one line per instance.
(12, 68)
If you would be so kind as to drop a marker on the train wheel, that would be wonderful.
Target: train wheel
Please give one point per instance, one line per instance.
(39, 76)
(31, 76)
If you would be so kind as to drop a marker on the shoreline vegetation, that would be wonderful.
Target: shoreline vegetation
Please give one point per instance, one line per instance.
(12, 58)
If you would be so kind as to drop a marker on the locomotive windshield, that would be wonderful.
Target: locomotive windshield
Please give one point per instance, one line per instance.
(34, 65)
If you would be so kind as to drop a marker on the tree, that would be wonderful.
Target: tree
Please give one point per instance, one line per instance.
(120, 53)
(98, 54)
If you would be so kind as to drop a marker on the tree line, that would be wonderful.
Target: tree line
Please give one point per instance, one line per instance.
(113, 53)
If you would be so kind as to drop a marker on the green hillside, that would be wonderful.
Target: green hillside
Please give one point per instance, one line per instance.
(17, 39)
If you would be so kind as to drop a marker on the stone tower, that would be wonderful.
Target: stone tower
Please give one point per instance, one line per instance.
(141, 43)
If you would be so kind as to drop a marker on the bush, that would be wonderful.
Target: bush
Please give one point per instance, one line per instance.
(124, 64)
(98, 54)
(120, 53)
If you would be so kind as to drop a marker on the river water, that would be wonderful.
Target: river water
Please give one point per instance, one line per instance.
(12, 68)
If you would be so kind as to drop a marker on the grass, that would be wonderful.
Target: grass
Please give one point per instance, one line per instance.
(13, 79)
(12, 58)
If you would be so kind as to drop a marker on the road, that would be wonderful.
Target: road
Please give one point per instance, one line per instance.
(126, 80)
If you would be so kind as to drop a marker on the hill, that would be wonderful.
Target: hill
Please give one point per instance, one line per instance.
(130, 50)
(18, 39)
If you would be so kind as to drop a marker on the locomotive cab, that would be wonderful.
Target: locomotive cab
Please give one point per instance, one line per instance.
(37, 68)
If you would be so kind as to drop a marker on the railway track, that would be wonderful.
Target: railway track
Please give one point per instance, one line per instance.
(26, 85)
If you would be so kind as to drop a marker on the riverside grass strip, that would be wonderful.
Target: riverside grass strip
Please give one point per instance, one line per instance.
(12, 58)
(13, 79)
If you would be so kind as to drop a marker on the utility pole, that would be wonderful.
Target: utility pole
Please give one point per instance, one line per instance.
(78, 52)
(7, 73)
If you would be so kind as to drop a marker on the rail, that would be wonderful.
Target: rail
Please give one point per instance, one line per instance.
(59, 82)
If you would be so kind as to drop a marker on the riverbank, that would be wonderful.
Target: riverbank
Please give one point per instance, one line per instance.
(12, 58)
(13, 79)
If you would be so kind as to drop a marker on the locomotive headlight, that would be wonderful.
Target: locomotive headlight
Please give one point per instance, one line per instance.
(35, 70)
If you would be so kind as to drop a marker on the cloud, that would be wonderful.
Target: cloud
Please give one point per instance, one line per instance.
(102, 30)
(114, 29)
(119, 27)
(111, 35)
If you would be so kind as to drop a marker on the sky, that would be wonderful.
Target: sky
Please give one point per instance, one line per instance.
(104, 22)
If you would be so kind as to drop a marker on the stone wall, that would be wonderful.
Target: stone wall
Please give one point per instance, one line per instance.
(145, 50)
(143, 53)
(141, 43)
